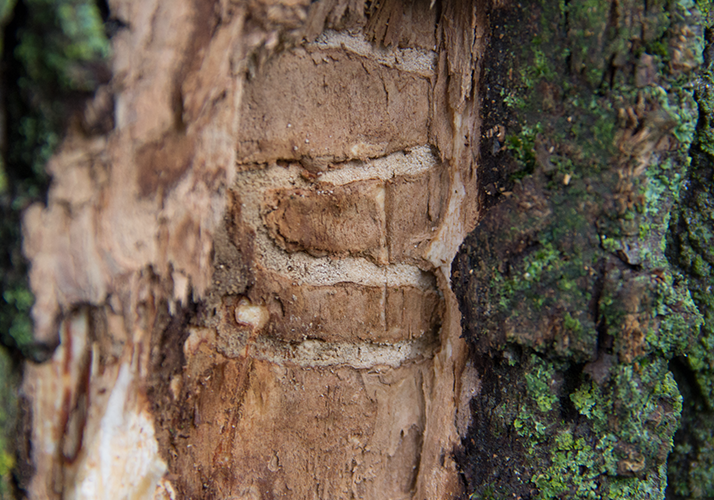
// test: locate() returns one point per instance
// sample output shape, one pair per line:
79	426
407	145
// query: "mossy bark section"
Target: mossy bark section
571	307
689	248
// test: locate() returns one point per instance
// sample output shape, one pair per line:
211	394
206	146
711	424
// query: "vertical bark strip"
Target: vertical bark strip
583	307
248	277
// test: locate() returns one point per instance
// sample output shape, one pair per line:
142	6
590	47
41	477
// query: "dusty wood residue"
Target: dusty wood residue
356	216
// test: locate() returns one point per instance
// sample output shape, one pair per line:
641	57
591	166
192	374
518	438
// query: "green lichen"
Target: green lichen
538	382
8	409
571	458
646	403
689	248
568	278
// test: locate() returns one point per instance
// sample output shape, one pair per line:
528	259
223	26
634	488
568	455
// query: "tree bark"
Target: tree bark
582	303
250	273
249	278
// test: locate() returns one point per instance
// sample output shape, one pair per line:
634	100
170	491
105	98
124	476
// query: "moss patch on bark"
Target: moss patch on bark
689	248
573	309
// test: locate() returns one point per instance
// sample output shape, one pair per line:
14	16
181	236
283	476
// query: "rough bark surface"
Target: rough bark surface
582	305
248	277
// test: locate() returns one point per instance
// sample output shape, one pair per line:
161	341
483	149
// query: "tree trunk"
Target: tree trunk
250	273
585	287
249	278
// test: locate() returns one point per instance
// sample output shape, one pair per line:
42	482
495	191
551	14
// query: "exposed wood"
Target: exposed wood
248	276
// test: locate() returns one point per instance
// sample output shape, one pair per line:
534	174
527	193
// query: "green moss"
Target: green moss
8	410
572	266
512	99
542	260
523	144
538	381
573	471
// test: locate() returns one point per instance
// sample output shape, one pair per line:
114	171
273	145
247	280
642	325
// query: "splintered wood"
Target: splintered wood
290	327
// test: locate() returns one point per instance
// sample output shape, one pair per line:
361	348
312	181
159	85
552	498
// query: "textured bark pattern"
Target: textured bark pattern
249	274
585	333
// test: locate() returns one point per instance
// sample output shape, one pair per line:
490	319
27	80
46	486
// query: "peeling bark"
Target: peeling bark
248	277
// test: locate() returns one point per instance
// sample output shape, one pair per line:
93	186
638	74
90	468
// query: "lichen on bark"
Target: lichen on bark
571	306
689	248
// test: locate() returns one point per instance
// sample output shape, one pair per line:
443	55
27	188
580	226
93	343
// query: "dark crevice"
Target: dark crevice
572	378
609	74
169	333
598	287
686	382
112	25
491	457
696	418
104	9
